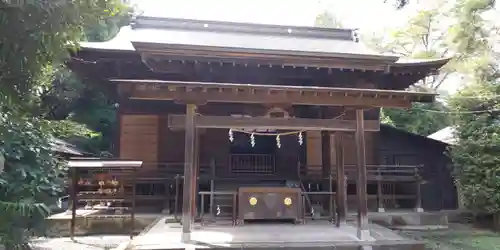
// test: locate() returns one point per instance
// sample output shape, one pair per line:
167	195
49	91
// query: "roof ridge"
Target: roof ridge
145	22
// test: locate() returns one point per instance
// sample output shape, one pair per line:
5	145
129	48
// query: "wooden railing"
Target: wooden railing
215	210
405	173
252	163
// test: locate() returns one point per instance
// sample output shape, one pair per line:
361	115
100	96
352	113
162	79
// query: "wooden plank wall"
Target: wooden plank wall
314	152
350	150
139	137
313	147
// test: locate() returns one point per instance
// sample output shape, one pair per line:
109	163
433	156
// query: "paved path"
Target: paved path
105	242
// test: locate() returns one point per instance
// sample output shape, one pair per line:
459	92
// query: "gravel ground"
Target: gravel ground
105	242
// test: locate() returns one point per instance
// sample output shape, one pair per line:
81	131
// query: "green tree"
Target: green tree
327	20
35	35
83	112
476	157
422	38
421	118
33	38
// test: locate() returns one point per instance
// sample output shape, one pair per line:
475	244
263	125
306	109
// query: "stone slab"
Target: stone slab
318	235
103	242
87	223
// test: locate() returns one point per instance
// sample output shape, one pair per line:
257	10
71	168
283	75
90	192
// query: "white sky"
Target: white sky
368	15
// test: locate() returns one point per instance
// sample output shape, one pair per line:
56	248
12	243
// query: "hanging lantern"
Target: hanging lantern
231	136
278	141
252	140
301	139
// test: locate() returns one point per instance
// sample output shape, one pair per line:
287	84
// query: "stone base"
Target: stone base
310	236
391	219
186	238
61	227
364	235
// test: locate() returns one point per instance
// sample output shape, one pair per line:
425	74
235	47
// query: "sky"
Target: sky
368	15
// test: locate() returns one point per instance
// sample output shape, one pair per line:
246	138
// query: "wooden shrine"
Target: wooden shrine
220	113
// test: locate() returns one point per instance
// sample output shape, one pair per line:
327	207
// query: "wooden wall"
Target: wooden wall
314	150
401	147
139	137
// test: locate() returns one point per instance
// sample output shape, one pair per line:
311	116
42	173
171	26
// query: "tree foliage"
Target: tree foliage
423	37
419	119
35	35
37	99
29	177
476	157
327	20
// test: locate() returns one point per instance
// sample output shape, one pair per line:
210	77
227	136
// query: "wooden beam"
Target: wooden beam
179	121
361	176
189	173
273	96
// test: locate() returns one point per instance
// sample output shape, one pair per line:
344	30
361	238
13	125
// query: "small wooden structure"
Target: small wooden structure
110	179
213	107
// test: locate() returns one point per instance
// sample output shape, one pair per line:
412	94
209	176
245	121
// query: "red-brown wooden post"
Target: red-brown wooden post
189	173
361	176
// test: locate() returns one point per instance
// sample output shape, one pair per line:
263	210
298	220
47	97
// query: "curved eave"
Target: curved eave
426	66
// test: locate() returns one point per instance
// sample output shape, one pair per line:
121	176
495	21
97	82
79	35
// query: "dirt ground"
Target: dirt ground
457	237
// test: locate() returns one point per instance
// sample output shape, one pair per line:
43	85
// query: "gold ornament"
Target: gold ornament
287	201
252	201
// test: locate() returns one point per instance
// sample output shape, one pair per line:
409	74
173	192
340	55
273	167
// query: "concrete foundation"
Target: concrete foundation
90	222
312	235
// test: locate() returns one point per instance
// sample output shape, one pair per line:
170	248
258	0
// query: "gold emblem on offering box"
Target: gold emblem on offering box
287	201
253	201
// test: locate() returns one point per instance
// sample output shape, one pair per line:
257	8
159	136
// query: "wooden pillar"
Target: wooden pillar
74	201
134	191
380	193
189	173
418	203
326	169
361	176
196	172
341	180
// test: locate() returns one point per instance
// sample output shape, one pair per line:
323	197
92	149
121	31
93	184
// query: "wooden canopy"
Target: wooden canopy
202	92
99	163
